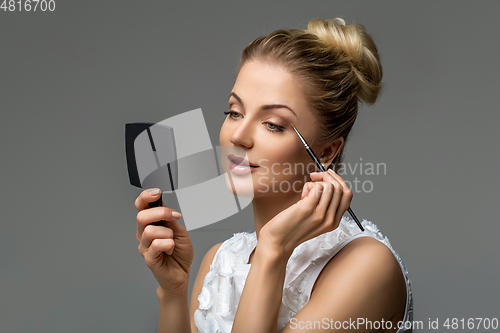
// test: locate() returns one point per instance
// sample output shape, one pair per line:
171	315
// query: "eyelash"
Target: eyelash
275	130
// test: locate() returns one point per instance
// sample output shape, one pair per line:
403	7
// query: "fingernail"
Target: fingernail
177	215
154	191
314	173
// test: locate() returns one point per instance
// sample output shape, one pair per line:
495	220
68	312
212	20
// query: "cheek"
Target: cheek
285	154
297	158
285	151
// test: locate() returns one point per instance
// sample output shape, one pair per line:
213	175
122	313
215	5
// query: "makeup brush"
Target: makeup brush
320	166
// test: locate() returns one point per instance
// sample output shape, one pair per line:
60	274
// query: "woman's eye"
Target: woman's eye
271	127
232	114
274	128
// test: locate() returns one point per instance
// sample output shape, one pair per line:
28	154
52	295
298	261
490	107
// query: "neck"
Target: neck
267	207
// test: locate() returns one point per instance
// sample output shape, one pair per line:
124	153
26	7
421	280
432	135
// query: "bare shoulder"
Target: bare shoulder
209	256
206	262
365	254
198	283
368	272
373	254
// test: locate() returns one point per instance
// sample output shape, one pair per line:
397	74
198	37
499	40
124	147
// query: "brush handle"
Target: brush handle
157	203
315	159
320	166
355	219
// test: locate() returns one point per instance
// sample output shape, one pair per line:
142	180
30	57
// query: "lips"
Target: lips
240	166
240	161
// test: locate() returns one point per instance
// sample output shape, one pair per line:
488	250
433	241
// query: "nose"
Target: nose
243	135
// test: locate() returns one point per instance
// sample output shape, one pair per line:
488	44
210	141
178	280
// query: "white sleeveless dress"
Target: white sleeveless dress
223	284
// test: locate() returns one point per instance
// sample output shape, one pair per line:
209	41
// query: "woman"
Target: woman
306	268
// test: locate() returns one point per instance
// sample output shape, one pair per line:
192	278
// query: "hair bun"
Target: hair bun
357	47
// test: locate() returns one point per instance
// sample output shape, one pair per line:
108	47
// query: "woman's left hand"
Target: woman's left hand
320	209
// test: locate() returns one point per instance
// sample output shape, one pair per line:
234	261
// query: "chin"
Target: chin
240	186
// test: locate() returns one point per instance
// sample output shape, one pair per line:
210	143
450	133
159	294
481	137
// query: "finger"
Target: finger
333	209
325	202
336	209
150	215
346	196
152	232
147	196
338	178
326	177
314	195
156	250
306	189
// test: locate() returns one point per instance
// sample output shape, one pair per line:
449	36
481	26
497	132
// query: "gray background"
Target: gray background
71	79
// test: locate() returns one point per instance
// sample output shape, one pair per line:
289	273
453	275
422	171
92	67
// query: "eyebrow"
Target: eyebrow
265	107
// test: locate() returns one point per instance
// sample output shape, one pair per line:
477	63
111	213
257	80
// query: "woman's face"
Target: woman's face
264	102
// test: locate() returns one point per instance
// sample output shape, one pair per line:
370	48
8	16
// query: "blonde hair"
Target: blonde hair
338	65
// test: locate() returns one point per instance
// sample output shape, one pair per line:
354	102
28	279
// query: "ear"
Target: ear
331	151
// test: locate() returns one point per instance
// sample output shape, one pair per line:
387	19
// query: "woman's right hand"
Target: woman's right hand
167	249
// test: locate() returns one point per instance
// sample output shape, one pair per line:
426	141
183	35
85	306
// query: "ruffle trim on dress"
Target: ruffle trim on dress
329	244
219	285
